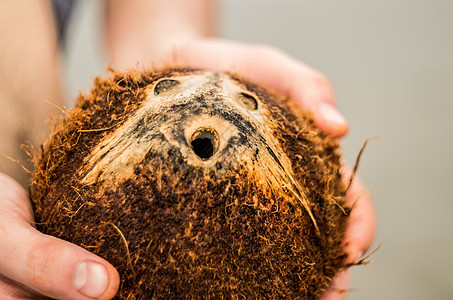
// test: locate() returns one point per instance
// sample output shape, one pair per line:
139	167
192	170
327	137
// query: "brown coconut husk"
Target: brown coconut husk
195	184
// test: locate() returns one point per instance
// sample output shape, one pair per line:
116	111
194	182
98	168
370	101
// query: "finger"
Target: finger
338	287
361	224
11	290
274	69
53	267
45	264
14	200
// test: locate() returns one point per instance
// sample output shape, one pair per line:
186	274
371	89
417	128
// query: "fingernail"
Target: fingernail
331	114
90	279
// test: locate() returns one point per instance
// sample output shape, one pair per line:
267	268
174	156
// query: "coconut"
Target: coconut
195	184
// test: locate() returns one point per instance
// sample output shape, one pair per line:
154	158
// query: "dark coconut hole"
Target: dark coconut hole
249	101
204	143
164	85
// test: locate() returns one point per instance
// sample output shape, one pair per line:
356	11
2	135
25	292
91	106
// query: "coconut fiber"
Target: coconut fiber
195	185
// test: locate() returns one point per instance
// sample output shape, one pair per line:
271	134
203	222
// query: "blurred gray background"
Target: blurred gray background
391	64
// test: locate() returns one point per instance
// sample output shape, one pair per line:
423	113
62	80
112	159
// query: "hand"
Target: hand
33	265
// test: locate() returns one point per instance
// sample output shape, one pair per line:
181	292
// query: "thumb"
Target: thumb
54	267
45	264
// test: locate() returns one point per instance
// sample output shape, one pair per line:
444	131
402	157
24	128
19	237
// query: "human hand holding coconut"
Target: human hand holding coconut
49	266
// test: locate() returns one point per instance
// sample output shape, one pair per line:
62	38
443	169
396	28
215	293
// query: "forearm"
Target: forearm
29	75
145	31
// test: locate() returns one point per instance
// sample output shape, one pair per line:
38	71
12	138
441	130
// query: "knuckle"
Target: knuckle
40	262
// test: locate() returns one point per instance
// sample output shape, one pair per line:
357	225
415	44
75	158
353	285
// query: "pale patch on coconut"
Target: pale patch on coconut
226	125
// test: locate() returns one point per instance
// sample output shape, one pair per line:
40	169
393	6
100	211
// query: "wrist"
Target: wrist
145	33
155	52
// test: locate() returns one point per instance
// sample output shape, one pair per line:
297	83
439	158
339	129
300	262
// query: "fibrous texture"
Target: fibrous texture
195	184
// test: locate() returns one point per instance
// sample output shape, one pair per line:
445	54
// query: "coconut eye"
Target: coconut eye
164	85
204	143
248	101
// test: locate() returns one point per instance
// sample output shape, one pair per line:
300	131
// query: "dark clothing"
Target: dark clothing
62	11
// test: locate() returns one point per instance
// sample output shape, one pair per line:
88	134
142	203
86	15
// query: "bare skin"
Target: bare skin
29	75
139	34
